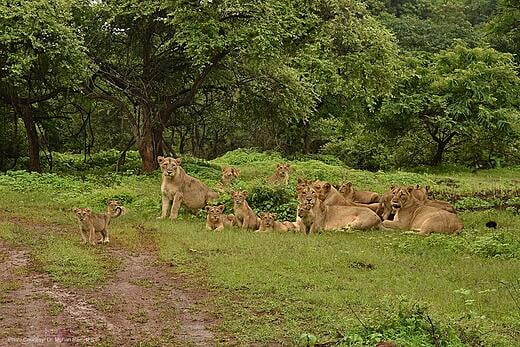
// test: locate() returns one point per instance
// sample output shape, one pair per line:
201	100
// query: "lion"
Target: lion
411	214
281	174
268	222
315	215
385	210
351	194
244	215
92	223
421	194
331	197
216	219
229	174
179	188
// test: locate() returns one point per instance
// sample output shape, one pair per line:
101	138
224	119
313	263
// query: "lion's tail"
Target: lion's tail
121	211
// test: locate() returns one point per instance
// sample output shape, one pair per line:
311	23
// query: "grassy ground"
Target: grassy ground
344	288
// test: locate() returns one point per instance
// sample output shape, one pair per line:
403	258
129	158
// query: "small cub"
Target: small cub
216	219
91	223
281	175
244	215
268	222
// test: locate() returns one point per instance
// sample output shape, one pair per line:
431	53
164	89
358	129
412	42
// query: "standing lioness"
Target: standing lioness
179	188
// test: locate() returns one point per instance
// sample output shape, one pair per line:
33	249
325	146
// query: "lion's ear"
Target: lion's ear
221	208
233	194
410	188
262	215
300	180
178	160
75	210
327	186
88	210
349	184
223	169
427	188
246	194
207	207
275	216
160	159
417	186
392	187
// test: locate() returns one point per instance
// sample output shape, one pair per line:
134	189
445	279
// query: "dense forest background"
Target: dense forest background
379	84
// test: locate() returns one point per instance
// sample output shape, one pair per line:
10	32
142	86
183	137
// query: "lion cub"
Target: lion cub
229	174
281	174
244	215
216	219
268	222
92	223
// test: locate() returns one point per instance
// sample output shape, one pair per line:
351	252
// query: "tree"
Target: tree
454	94
504	28
160	61
41	58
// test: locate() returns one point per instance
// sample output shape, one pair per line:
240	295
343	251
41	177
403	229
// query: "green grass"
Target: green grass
352	289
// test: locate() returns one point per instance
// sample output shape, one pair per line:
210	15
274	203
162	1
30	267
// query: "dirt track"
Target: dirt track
145	301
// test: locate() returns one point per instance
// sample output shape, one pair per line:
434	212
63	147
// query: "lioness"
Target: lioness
179	188
411	214
92	223
331	197
229	174
216	219
315	215
281	174
364	197
268	222
244	215
421	194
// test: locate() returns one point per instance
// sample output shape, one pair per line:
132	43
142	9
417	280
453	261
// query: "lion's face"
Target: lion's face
268	219
239	197
309	196
230	173
215	212
169	166
345	188
322	189
304	209
82	213
401	198
113	205
282	169
302	184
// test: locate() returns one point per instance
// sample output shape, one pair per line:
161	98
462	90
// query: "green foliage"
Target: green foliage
503	28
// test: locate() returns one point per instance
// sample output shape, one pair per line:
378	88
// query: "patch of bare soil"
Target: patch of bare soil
144	301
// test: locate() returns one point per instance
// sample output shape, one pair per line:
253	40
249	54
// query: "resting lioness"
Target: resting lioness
229	174
331	197
316	216
244	215
268	222
349	193
92	223
421	194
411	214
179	188
281	175
216	219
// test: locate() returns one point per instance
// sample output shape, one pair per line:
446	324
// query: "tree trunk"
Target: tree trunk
437	158
150	142
26	112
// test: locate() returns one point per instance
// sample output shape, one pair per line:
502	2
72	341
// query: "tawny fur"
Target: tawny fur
229	174
178	188
315	215
281	175
216	219
351	194
268	222
244	215
411	214
91	223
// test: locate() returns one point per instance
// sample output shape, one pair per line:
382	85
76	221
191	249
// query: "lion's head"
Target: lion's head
82	213
239	197
322	189
267	219
230	173
345	188
215	212
169	166
402	197
282	170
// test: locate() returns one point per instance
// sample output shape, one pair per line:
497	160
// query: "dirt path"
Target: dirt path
144	302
